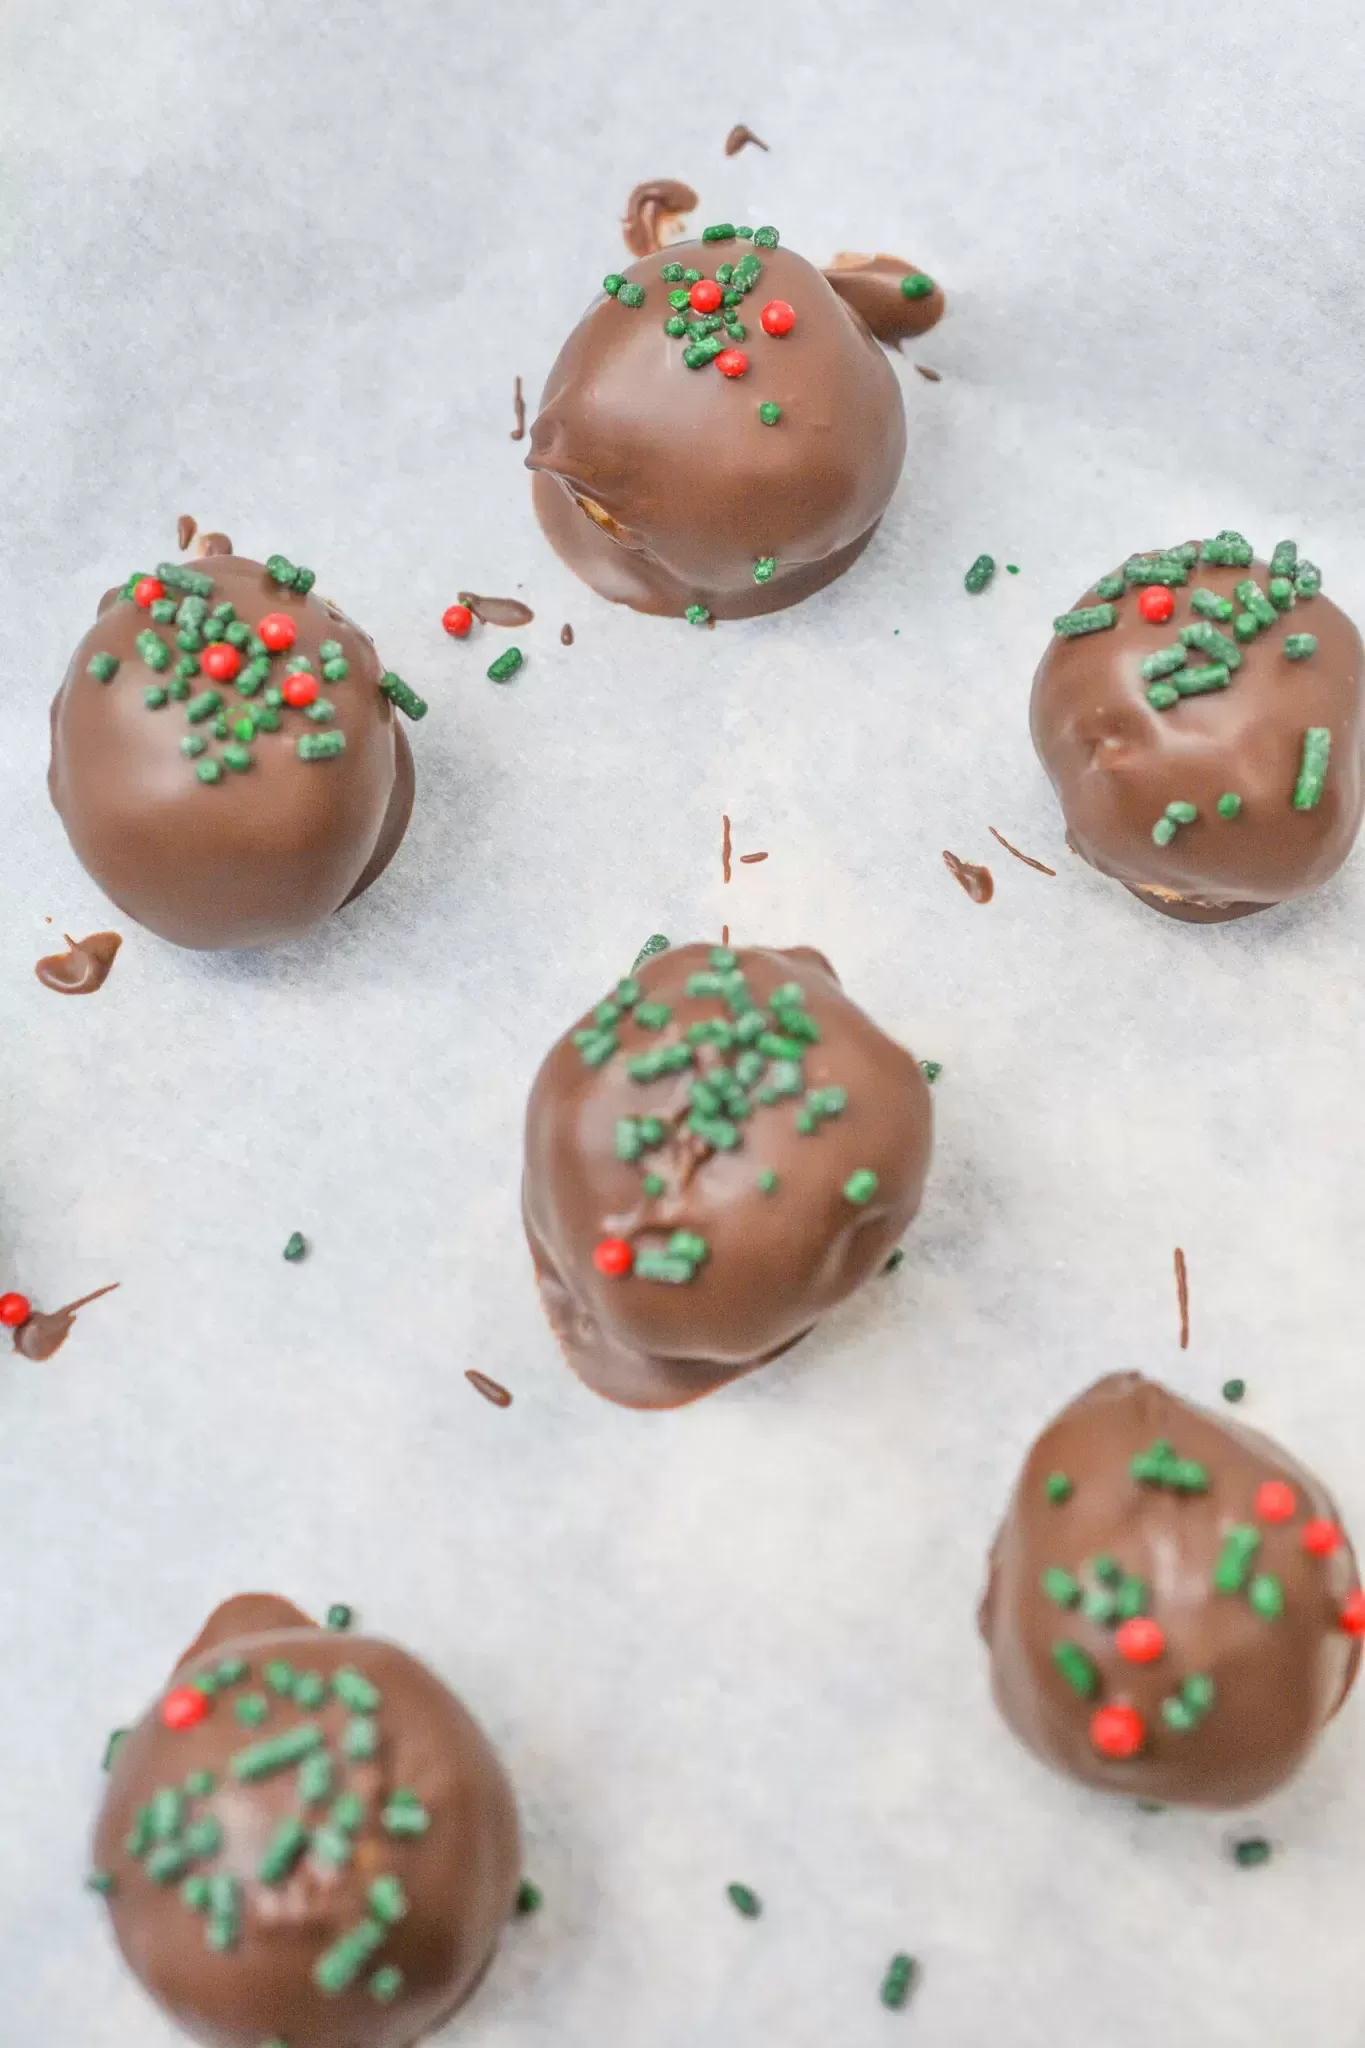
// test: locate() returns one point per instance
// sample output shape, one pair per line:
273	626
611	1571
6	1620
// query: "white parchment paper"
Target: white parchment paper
275	264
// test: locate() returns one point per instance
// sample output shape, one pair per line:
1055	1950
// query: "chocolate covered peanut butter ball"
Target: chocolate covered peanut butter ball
720	435
225	753
306	1842
1174	1610
1200	715
720	1151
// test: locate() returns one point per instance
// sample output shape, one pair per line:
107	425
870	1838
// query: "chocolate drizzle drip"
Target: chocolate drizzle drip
724	846
82	969
930	376
659	202
186	526
977	881
566	635
43	1335
1024	857
497	611
490	1389
738	136
519	408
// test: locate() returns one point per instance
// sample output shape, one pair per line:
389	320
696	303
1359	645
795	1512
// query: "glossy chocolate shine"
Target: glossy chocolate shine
460	1877
260	857
1116	762
661	487
1276	1681
777	1261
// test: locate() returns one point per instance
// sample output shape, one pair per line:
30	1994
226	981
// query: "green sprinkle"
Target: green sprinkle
1266	1596
1164	662
1101	1607
724	233
167	1863
361	1738
116	1738
916	285
153	697
251	1709
1250	595
701	353
153	649
1076	1668
199	1784
769	413
765	238
279	1676
310	1689
1142	570
315	1777
675	326
860	1187
696	614
280	570
203	706
237	757
163	611
405	1817
902	1970
1110	586
1210	641
671	273
530	1897
166	1813
656	1265
225	1912
1317	745
1284	560
744	1901
388	1899
1163	832
103	667
337	1969
283	1851
1132	1598
101	1881
263	1759
895	1258
176	576
1229	804
1308	579
347	1813
506	665
1094	618
1060	1587
631	295
386	1984
203	1837
354	1690
1239	1547
983	568
612	283
407	700
1281	592
1058	1487
332	1846
765	568
1194	682
1230	549
320	746
1298	646
1251	1851
194	1893
1161	696
1234	1390
931	1069
1211	605
653	1185
1246	626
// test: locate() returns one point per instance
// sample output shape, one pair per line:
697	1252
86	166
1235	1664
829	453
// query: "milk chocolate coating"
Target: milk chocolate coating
776	1261
685	487
459	1877
1116	762
872	286
259	857
1276	1682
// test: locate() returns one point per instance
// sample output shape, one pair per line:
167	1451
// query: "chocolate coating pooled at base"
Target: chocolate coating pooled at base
413	1840
275	843
667	1261
898	300
661	485
1105	1625
1119	755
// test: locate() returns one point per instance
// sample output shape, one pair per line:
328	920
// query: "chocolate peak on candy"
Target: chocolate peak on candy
1200	716
225	756
719	1152
306	1839
1173	1609
897	299
719	435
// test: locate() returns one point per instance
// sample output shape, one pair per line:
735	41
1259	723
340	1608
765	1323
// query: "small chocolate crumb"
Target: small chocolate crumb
1182	1295
930	376
566	635
1024	857
659	201
490	1389
214	544
978	882
84	968
746	859
724	847
519	408
725	935
186	528
738	136
497	611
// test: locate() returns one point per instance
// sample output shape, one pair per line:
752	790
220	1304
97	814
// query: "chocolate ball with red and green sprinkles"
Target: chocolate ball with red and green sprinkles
227	755
1174	1610
305	1840
721	1150
1200	715
720	434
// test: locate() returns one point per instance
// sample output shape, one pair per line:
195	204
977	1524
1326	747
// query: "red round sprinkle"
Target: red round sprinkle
1276	1501
614	1257
777	317
220	661
184	1707
14	1310
1140	1639
457	620
147	590
705	295
1352	1616
1117	1732
732	362
277	631
1319	1539
1156	603
299	689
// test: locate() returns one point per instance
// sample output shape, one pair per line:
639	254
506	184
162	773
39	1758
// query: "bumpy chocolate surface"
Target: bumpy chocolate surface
1137	728
897	299
274	842
1169	1611
717	1154
325	1859
661	485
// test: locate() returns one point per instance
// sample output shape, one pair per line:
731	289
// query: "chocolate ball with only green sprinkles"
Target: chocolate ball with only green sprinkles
723	1149
178	774
253	1912
663	491
1178	1619
1219	682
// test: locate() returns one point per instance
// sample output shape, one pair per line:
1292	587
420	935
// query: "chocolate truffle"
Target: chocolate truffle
225	755
306	1840
719	435
897	300
718	1153
1173	1610
1199	713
